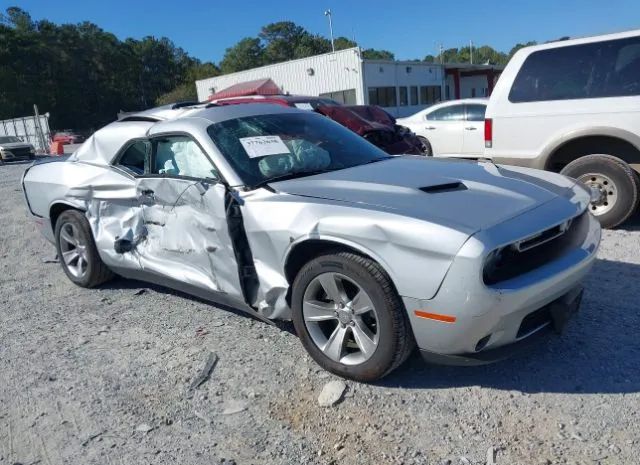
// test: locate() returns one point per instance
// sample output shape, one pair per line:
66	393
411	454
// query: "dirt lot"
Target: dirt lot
101	377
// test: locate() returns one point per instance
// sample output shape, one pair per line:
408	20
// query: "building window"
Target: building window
414	95
382	96
448	93
430	94
346	97
473	92
404	98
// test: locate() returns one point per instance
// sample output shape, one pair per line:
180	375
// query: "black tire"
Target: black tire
396	340
621	174
426	147
96	271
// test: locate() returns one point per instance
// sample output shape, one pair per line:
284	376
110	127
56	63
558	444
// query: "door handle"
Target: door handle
147	196
430	128
471	128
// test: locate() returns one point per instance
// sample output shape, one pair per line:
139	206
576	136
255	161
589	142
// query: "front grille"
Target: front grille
20	152
530	253
534	321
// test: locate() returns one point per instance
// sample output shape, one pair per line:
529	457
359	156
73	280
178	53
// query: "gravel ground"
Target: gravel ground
102	377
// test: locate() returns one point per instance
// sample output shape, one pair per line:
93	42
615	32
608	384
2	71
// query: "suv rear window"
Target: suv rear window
601	69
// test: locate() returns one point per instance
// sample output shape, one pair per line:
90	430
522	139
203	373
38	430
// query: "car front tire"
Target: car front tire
616	181
349	317
426	147
77	250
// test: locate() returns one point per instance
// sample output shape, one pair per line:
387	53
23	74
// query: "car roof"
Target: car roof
101	147
566	42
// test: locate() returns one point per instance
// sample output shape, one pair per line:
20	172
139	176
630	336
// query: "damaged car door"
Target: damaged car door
183	205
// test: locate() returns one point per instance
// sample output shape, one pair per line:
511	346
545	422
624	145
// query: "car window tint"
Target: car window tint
262	147
133	158
452	113
601	69
181	156
475	112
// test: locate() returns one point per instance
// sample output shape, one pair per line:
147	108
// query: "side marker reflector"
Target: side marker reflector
435	316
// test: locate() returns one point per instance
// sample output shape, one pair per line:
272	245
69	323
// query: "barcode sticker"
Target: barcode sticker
261	146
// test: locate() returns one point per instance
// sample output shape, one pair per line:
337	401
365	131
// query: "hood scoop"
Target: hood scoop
441	188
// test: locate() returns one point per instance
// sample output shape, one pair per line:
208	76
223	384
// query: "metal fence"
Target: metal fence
32	129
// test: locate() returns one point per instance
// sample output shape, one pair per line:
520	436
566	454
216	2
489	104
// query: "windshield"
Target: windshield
265	147
9	139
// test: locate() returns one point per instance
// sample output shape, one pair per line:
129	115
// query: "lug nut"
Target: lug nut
352	323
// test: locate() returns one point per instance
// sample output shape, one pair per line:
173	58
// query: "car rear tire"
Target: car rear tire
616	181
77	250
349	317
426	147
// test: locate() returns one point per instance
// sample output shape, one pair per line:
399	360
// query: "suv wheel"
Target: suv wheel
616	182
349	317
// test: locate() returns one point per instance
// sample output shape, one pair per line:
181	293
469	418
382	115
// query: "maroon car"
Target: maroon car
369	121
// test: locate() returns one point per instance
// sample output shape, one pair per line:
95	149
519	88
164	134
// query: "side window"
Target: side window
134	157
476	112
181	156
452	113
594	70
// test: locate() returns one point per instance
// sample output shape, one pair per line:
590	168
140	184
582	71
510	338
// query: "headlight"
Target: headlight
32	149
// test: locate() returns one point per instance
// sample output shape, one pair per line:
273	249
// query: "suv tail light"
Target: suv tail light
488	133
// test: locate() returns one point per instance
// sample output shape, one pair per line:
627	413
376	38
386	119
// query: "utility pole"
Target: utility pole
471	52
328	14
440	50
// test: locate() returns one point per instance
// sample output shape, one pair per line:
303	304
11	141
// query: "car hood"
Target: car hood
465	195
15	145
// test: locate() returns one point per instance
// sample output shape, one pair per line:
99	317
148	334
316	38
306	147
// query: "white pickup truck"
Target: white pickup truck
573	106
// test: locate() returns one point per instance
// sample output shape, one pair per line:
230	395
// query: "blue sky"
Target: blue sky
410	29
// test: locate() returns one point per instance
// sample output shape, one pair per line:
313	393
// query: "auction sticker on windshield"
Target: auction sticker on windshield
261	146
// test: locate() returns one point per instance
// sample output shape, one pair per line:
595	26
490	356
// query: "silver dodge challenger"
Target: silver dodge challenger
286	214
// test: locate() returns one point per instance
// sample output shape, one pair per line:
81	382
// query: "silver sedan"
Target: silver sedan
286	214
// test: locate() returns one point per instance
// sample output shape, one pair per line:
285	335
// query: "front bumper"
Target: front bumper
485	317
560	311
8	155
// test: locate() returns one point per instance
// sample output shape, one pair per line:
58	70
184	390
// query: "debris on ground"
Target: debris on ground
234	406
491	456
200	332
144	428
92	437
140	292
51	260
204	374
331	393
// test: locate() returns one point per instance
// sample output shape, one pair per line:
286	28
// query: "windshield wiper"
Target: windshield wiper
290	175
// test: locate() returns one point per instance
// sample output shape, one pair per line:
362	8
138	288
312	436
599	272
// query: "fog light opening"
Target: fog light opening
482	343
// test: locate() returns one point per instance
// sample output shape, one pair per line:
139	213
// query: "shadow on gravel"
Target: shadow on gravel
598	353
632	224
134	285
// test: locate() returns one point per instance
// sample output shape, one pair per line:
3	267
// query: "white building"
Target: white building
401	87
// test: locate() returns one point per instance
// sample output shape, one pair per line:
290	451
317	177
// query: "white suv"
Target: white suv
574	107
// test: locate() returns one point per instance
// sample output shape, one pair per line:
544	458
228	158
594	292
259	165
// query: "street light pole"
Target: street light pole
471	51
328	14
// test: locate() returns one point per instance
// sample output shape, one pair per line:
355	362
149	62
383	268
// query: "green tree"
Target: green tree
518	46
372	54
342	43
280	40
246	54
